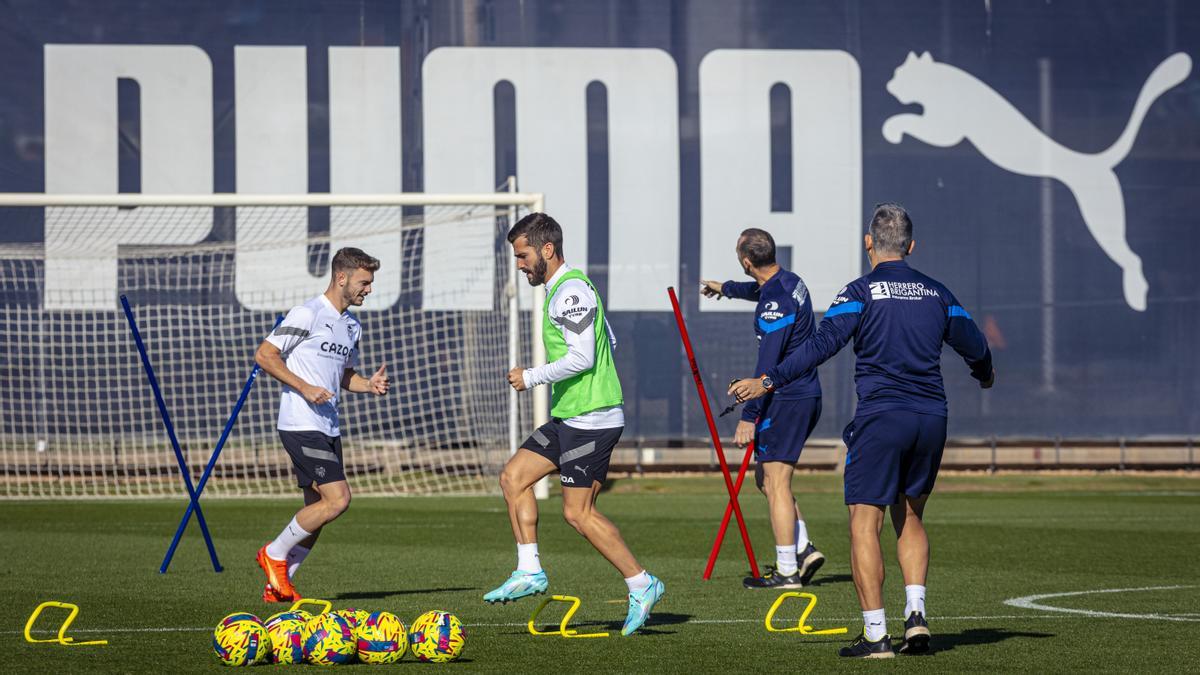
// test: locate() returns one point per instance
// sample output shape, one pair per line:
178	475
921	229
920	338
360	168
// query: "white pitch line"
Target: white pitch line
1030	602
781	622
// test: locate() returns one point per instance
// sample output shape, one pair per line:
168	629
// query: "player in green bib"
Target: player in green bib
587	421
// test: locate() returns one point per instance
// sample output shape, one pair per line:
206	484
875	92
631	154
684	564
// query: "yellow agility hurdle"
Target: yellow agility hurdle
325	604
802	626
62	638
562	626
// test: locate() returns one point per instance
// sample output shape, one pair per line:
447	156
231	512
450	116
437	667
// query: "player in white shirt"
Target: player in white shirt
314	353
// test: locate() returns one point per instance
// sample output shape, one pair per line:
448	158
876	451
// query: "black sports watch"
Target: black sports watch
767	383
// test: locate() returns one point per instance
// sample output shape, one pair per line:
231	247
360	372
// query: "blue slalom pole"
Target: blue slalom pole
212	460
166	417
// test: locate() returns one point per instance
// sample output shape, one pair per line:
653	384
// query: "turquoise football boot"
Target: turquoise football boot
517	586
640	604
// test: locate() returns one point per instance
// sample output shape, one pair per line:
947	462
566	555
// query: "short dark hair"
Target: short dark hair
539	229
757	245
891	229
349	259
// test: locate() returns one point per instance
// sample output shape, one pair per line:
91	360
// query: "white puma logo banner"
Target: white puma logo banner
958	106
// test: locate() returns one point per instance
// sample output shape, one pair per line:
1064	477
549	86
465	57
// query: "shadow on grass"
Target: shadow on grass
376	595
944	642
830	579
653	626
818	581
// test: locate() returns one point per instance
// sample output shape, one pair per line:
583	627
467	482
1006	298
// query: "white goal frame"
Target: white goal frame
535	202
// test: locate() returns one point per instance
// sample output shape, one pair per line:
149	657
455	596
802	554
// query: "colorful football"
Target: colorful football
241	640
381	638
437	636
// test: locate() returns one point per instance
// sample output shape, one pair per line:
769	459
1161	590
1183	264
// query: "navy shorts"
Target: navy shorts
581	455
316	458
783	427
891	453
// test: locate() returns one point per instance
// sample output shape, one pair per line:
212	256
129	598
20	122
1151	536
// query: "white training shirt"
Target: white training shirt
571	311
318	344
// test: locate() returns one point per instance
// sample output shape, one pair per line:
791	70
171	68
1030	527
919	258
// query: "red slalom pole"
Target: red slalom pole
716	439
737	488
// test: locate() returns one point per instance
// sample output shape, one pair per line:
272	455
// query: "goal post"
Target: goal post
207	276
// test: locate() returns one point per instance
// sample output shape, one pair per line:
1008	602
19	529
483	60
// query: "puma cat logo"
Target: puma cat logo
958	106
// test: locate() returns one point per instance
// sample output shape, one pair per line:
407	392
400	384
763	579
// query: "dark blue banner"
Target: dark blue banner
1049	154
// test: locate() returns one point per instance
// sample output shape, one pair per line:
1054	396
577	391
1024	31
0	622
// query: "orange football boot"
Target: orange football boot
272	595
277	578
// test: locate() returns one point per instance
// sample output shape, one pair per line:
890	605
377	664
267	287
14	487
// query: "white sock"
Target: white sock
638	582
915	599
292	534
528	559
295	557
785	559
801	535
874	625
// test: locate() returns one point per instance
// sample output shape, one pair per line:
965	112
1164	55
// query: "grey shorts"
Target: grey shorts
581	455
316	458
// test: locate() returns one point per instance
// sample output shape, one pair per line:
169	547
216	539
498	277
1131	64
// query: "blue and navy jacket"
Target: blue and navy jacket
899	319
782	322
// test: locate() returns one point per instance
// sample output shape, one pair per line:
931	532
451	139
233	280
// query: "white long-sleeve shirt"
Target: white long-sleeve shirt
573	313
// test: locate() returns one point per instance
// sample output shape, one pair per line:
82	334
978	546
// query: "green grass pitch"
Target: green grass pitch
994	538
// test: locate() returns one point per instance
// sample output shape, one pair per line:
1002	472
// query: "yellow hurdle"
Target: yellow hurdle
562	626
62	638
802	627
327	605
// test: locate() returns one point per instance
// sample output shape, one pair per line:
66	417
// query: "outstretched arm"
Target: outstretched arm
742	290
839	325
831	336
746	290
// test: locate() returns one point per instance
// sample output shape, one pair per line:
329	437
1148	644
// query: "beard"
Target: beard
537	275
351	299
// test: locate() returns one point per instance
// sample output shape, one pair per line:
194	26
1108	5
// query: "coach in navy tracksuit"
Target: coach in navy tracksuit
899	319
780	423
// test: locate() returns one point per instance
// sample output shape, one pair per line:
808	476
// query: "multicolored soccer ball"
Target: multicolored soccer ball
328	640
286	630
241	640
287	615
353	616
304	616
437	636
381	638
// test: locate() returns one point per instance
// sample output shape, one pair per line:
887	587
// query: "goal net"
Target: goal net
206	278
